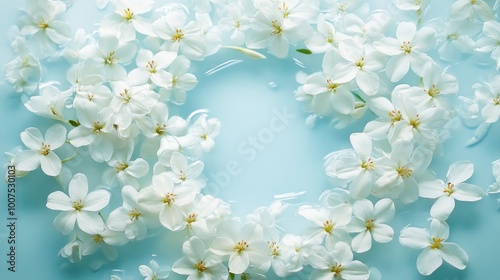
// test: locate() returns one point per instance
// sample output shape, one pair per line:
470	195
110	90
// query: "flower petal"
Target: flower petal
428	261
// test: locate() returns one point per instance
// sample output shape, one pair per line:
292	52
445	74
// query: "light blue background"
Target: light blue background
241	97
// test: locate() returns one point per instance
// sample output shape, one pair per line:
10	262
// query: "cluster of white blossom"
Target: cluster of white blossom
124	77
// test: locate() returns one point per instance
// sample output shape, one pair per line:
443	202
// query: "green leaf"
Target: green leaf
74	123
231	276
304	51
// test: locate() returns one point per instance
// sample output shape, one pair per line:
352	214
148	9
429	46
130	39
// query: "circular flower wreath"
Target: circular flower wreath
116	105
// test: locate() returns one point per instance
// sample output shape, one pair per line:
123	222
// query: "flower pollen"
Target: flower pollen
110	59
368	165
449	189
44	150
151	66
200	267
433	91
121	167
134	214
404	171
78	205
406	47
98	238
274	248
395	116
240	246
97	127
178	35
127	14
436	243
369	224
276	28
43	25
169	198
328	226
336	269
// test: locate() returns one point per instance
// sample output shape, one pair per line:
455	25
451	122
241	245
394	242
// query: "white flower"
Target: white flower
131	103
437	84
242	243
184	174
330	224
268	218
204	131
367	31
159	124
490	42
455	37
336	263
370	221
83	77
50	103
41	25
125	170
269	31
235	22
131	217
105	239
152	68
400	171
361	64
453	188
96	131
407	50
327	94
284	260
325	38
109	56
154	271
80	206
24	71
72	251
182	81
435	249
198	262
127	19
358	167
466	9
200	217
165	198
495	187
180	37
42	150
488	95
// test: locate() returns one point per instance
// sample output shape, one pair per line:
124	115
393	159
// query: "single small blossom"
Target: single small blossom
488	96
186	174
165	198
152	68
490	42
337	263
131	217
50	103
198	262
407	50
154	271
80	207
467	9
181	82
128	17
369	220
243	244
41	151
434	245
453	189
105	239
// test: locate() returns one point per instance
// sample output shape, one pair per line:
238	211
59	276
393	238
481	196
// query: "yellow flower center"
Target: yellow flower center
191	218
415	122
436	243
449	189
43	25
134	214
284	9
496	100
336	269
395	116
160	128
200	267
125	95
178	35
404	171
452	36
328	226
78	205
433	91
368	165
110	59
121	167
151	66
406	47
44	150
370	225
273	247
240	246
169	198
98	238
360	63
182	176
97	127
276	28
127	14
332	87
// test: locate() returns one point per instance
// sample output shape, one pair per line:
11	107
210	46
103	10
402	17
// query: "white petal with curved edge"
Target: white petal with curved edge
362	242
65	222
89	222
96	200
442	208
382	233
416	238
454	255
59	201
428	261
468	192
238	263
51	164
78	187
